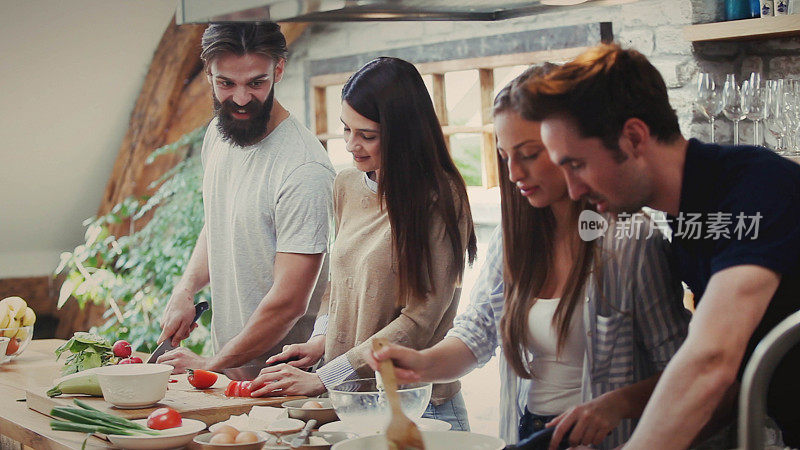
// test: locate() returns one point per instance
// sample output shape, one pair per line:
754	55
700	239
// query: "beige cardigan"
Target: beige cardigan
361	300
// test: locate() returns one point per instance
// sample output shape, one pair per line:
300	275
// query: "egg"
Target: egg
222	438
312	404
227	429
246	437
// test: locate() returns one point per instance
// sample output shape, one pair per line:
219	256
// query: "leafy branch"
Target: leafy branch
133	276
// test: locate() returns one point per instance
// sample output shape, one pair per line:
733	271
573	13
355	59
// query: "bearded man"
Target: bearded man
267	199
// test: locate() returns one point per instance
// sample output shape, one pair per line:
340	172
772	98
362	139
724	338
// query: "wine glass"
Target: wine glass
707	99
792	104
732	105
776	123
754	101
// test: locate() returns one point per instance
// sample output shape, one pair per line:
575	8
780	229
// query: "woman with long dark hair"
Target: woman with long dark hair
585	326
404	233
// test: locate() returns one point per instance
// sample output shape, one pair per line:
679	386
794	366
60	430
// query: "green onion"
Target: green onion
87	419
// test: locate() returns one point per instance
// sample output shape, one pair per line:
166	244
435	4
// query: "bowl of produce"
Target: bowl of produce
227	437
362	404
16	324
434	440
319	409
130	386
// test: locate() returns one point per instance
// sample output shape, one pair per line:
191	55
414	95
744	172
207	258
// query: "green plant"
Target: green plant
133	276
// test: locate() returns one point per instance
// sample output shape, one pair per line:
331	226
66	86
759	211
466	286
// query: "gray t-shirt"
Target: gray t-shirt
274	196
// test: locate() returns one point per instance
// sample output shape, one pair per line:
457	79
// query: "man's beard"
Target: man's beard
243	132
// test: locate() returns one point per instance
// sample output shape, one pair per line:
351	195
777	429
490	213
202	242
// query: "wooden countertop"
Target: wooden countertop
35	370
36	367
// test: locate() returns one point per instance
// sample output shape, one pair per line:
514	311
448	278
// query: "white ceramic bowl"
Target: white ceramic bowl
169	438
434	440
130	386
205	445
359	402
322	415
329	437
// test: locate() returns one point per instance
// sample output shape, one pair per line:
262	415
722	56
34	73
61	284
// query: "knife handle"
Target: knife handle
199	309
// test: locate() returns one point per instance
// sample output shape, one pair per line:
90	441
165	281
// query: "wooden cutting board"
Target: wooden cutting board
208	405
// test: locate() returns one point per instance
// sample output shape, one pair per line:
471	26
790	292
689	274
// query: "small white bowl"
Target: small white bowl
169	438
322	415
129	386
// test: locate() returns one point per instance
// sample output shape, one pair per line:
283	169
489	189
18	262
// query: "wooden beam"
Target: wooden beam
748	29
175	62
320	111
440	98
488	149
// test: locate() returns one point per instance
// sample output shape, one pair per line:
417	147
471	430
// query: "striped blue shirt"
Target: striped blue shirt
633	315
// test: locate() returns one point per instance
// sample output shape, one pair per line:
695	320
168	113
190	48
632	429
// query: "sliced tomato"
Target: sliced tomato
245	389
230	391
164	418
201	379
238	389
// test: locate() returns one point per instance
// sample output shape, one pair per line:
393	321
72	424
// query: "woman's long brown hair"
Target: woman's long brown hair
529	249
419	180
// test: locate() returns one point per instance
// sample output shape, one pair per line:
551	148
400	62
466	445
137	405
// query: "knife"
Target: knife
249	372
166	346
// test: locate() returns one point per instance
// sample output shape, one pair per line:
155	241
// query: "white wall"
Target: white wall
70	73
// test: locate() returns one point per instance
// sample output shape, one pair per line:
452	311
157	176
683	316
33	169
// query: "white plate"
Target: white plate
423	423
169	438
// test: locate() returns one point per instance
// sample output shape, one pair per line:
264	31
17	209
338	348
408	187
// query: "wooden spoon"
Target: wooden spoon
402	433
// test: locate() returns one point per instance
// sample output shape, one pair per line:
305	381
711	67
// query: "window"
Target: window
462	97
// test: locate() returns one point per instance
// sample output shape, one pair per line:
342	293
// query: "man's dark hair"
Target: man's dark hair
600	90
242	38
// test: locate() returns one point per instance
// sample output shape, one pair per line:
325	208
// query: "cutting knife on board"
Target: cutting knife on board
166	346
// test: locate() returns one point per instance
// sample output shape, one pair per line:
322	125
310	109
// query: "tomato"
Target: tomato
163	418
244	389
13	346
201	379
230	391
238	389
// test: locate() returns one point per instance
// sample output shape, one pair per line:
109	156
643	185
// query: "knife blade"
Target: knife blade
166	346
250	371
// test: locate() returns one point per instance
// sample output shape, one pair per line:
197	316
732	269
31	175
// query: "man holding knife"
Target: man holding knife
267	196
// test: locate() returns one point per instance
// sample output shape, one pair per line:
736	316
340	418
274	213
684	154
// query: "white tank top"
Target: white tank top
557	378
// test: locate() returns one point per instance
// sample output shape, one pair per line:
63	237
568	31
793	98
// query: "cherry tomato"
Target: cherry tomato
201	379
244	389
238	389
230	391
163	418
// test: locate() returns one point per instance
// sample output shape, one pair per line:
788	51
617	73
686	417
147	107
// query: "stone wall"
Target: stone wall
653	27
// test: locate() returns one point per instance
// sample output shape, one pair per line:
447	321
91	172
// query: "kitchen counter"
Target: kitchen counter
36	369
